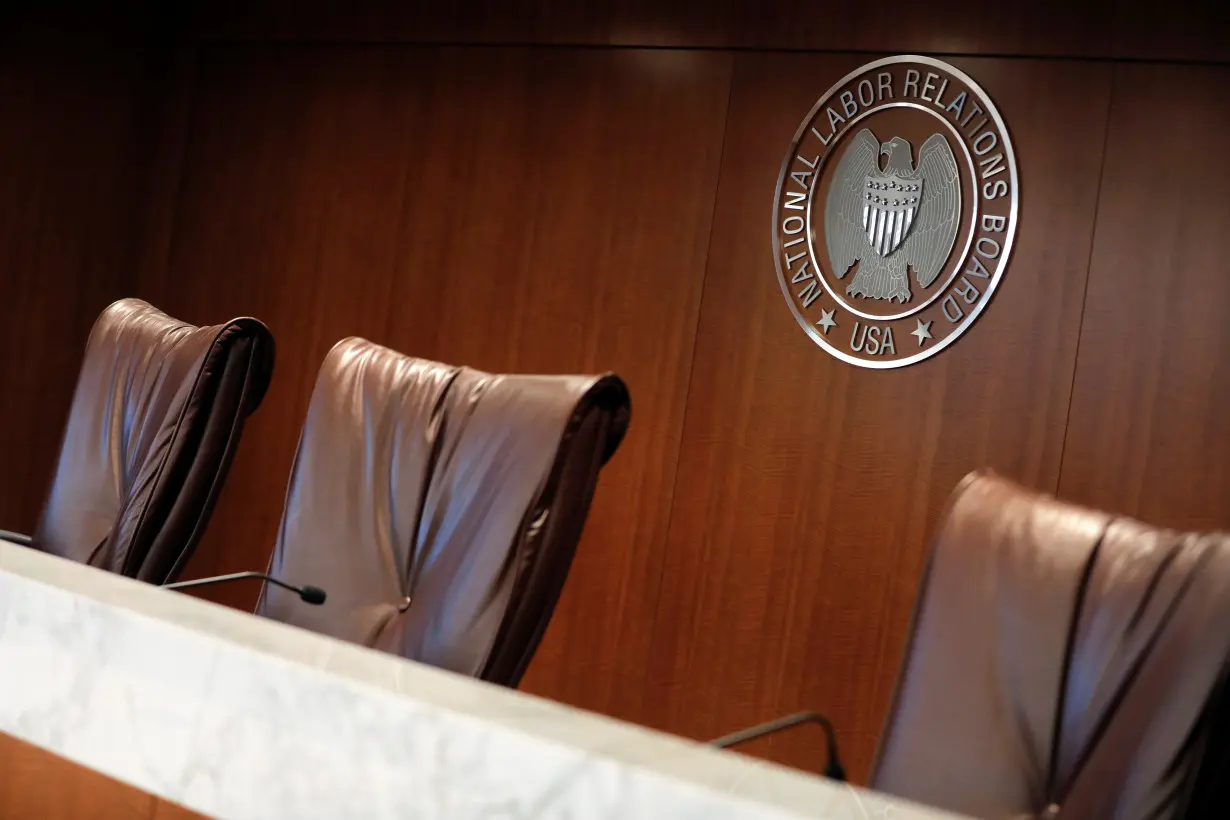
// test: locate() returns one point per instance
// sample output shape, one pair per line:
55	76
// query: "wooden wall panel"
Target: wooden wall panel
1182	30
69	159
807	488
572	238
166	810
755	546
287	207
35	783
1149	434
1051	27
504	208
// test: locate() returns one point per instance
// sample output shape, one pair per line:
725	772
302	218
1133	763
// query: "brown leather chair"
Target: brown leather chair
440	507
155	420
1063	663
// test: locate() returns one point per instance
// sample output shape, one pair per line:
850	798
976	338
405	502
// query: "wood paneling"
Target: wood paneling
287	194
1149	433
574	240
754	547
514	210
1051	27
1187	30
38	784
69	158
807	488
166	810
1184	30
1136	29
35	783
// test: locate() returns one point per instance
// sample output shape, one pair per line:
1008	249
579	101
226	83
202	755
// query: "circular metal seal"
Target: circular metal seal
895	212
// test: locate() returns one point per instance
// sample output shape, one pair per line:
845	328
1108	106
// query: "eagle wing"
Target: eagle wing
935	228
844	230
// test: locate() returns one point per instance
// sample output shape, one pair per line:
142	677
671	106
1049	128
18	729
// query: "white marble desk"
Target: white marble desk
238	717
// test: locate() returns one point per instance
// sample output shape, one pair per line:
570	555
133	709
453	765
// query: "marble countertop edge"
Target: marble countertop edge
746	780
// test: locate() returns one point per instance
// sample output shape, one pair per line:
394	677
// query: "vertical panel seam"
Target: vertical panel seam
1093	243
687	388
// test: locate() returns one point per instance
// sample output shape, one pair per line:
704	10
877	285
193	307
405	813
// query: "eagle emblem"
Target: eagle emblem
888	220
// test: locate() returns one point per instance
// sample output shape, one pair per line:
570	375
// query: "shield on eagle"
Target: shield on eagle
888	213
890	219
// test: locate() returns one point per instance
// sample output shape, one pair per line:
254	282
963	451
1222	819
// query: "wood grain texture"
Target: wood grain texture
754	547
69	158
35	783
287	195
1050	27
511	210
807	488
1149	434
1186	30
166	810
574	240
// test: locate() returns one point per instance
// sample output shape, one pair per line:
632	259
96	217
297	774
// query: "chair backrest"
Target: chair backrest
155	420
440	507
1063	663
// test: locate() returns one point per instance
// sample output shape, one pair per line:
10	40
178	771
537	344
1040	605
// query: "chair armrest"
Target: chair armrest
16	538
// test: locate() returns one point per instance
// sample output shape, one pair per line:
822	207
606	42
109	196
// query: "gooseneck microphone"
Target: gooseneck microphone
832	769
307	592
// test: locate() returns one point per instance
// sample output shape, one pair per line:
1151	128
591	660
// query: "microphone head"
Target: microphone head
312	595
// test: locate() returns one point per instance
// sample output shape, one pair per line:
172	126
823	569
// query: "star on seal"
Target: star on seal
827	322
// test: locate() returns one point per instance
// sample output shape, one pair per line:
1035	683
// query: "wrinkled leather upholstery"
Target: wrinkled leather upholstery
1063	663
155	420
440	507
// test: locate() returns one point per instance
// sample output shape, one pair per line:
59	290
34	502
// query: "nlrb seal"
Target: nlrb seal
895	212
